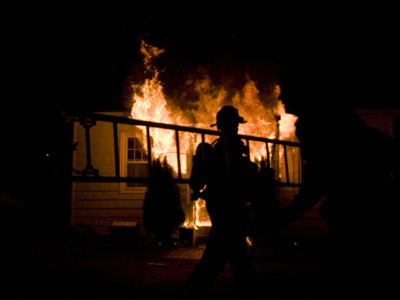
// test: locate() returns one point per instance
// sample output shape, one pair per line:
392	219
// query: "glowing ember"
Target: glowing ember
150	104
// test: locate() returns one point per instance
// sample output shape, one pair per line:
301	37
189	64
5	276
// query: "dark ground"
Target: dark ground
100	269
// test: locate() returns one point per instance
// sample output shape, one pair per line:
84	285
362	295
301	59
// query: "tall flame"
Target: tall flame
150	104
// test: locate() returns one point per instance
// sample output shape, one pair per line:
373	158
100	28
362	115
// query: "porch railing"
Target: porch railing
91	174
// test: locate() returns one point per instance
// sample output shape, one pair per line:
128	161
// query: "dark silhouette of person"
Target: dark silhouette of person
221	175
353	169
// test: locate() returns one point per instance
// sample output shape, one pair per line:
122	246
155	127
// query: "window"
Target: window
133	160
137	161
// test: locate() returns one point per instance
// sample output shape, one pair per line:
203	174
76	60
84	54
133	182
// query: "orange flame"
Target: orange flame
200	216
150	104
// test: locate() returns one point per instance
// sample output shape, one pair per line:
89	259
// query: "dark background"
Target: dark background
71	59
81	58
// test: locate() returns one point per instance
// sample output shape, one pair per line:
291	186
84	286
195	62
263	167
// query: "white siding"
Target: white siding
95	204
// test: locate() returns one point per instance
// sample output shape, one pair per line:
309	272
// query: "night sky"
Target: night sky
81	59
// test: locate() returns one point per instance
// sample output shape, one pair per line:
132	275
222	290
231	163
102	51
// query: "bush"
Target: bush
162	211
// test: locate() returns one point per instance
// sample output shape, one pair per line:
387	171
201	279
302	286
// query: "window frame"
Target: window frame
123	186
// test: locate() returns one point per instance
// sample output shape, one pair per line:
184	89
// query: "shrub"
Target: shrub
162	211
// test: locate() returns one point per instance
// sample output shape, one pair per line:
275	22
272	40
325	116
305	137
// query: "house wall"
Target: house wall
95	206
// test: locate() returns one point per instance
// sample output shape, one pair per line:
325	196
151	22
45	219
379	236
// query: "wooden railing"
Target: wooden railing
91	174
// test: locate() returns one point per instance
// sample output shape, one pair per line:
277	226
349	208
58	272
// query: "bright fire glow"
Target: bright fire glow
200	216
150	104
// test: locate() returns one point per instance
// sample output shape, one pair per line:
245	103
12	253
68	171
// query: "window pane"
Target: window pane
131	143
137	170
138	154
144	155
138	144
130	154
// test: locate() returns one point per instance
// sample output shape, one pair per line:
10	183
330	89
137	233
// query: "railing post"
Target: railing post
301	166
116	150
88	170
148	146
248	148
268	160
286	164
178	154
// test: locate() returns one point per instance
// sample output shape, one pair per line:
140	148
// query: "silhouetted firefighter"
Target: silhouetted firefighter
222	174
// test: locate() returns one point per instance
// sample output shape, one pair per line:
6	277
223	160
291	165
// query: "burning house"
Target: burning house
115	149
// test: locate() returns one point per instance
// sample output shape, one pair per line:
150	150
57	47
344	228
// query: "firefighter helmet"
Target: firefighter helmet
228	115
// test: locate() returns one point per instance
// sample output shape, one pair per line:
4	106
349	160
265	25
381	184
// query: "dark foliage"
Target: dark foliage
162	211
265	202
